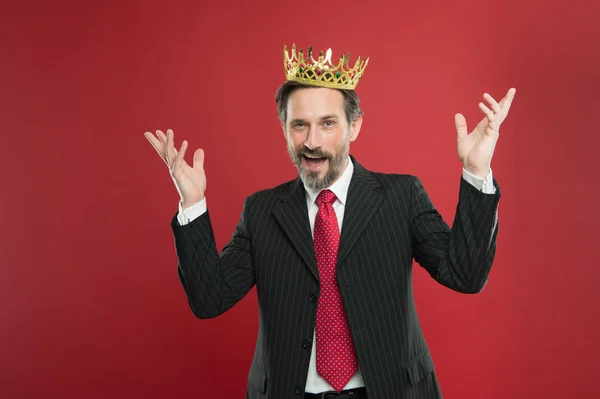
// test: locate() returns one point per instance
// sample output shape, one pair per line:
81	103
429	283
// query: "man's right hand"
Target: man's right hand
189	181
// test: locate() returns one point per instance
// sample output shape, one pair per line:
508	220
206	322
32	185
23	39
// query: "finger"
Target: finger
174	151
158	146
493	103
179	159
461	126
169	153
153	140
164	138
161	136
177	152
199	159
492	130
488	113
507	100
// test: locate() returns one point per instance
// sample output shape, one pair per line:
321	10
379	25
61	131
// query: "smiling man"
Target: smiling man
318	133
331	252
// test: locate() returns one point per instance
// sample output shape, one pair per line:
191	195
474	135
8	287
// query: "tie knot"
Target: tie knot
325	196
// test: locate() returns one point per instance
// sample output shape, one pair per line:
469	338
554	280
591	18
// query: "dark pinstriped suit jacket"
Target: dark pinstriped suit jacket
388	221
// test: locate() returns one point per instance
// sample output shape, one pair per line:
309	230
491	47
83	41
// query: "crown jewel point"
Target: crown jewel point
321	72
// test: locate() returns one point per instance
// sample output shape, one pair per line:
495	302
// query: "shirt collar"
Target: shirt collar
339	188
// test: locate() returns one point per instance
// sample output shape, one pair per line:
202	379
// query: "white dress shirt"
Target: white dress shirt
314	382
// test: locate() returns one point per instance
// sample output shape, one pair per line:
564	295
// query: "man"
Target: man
337	314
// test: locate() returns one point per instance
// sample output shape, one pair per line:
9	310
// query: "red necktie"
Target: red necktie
336	360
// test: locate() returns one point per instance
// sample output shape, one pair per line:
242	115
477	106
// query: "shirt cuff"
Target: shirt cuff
486	185
188	215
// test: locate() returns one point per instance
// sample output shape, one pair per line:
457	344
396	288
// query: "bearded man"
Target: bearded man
331	252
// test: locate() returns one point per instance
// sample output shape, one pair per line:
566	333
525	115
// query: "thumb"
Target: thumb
461	126
199	159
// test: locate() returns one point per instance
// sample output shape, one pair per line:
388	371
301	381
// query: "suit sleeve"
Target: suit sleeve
213	282
459	257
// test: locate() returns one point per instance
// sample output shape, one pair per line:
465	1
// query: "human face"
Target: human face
318	135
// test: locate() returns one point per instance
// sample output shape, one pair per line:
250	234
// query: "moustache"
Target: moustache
313	153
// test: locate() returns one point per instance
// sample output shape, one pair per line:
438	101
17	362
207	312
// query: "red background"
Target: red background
90	303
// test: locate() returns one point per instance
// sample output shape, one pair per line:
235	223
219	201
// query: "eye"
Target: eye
329	123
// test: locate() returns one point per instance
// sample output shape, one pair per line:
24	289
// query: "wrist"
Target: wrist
187	204
479	172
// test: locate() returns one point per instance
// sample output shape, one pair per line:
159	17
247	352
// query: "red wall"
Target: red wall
90	303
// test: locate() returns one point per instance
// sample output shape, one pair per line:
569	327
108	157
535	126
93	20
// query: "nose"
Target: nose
313	141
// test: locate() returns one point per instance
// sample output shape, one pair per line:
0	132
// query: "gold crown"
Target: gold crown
322	72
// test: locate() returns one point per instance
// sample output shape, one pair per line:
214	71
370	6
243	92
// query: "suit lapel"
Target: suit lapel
362	202
364	198
292	215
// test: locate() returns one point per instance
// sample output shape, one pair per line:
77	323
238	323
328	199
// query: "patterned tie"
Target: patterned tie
336	360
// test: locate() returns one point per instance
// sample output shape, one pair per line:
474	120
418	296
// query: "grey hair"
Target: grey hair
351	101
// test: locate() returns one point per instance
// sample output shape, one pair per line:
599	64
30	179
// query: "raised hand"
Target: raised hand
190	181
475	150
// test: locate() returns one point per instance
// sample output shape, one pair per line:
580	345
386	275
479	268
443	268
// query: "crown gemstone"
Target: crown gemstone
322	72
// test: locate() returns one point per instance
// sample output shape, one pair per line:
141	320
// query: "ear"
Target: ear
355	127
283	129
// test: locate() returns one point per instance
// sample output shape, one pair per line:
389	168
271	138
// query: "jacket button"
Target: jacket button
307	343
312	298
298	390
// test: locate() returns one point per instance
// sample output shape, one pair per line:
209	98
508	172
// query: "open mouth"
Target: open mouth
313	163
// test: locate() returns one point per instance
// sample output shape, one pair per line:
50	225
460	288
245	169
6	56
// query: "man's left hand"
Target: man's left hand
475	150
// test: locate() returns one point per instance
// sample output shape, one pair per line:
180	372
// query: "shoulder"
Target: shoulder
269	196
396	181
386	181
399	189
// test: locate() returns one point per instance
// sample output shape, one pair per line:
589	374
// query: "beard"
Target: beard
335	161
